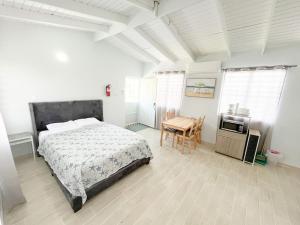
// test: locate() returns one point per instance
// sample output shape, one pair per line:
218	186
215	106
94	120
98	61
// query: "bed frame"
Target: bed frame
43	113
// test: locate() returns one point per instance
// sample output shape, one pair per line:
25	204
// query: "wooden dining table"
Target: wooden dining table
179	123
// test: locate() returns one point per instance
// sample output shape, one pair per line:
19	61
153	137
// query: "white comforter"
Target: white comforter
87	155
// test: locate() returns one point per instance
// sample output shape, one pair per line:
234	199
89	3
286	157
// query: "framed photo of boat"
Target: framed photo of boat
200	87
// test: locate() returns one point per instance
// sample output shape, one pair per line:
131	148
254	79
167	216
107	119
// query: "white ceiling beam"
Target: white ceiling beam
33	17
268	27
136	48
156	45
223	25
171	29
140	5
165	7
85	11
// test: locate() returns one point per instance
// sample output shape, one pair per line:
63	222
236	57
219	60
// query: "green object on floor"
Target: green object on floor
261	159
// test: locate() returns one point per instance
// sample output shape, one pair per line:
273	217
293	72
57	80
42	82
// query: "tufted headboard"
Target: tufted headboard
43	113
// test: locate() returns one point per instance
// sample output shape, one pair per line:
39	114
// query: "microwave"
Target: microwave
235	123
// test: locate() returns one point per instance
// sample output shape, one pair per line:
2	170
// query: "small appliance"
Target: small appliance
235	123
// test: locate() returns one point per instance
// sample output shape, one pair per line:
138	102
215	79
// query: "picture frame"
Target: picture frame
200	87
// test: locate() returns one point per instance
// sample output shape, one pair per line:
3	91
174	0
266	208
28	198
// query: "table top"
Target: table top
179	123
19	136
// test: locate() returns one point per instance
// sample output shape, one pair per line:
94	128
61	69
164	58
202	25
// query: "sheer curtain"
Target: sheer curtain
169	94
257	90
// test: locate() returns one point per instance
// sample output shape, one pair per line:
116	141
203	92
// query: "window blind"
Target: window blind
257	90
169	90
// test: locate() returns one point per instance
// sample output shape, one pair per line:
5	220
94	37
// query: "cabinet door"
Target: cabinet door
222	144
236	148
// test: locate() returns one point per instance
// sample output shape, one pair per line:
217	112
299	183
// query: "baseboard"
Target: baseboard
23	157
288	166
211	146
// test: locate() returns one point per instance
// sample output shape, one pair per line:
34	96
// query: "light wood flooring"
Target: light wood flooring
199	188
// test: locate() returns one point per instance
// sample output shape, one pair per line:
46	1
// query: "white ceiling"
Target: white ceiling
181	31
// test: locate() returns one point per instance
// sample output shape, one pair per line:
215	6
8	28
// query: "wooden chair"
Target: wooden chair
190	136
169	115
170	131
198	131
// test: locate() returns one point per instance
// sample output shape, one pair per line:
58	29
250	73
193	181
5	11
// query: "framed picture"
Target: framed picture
200	87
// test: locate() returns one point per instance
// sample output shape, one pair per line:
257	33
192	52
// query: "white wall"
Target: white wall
131	112
286	132
208	107
29	71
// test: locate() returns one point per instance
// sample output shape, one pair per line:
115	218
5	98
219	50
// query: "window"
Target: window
132	85
169	91
168	95
257	90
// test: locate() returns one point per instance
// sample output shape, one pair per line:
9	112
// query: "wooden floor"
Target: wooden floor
199	188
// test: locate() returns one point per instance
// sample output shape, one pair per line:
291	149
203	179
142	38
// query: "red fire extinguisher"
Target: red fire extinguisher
107	90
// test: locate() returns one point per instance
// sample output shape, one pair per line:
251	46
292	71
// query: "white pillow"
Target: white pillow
87	121
70	125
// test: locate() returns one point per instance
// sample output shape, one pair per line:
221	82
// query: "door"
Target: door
146	112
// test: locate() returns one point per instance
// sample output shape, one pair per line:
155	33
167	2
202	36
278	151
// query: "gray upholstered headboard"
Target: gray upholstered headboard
43	113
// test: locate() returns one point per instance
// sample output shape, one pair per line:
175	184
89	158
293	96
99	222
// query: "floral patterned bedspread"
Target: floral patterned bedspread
87	155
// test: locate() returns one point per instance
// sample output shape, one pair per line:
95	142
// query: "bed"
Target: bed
87	159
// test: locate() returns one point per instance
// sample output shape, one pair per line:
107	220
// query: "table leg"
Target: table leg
161	134
33	148
183	140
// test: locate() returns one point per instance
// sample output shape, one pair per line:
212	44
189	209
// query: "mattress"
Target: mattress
84	156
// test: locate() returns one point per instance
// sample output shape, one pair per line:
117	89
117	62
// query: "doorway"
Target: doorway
158	95
147	101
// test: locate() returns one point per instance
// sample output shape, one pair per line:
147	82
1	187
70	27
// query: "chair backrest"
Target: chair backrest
193	129
201	122
170	115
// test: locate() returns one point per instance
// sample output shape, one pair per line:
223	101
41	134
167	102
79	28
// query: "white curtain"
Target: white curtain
169	94
257	90
10	189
